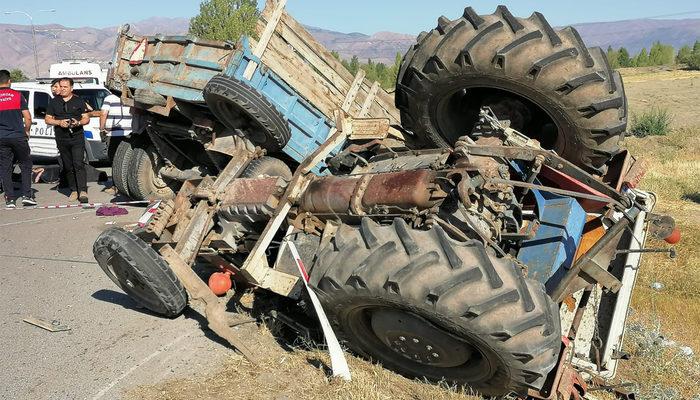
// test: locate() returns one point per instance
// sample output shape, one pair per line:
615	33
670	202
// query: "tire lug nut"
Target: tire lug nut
416	340
401	338
436	355
428	348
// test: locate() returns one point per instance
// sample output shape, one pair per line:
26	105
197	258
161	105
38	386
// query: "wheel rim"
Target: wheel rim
417	345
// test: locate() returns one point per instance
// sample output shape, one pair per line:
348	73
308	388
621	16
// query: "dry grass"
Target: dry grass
299	374
674	312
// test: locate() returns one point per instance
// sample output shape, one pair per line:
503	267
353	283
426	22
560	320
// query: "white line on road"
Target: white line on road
45	218
138	365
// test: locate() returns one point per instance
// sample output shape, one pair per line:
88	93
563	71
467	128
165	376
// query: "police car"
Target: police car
41	137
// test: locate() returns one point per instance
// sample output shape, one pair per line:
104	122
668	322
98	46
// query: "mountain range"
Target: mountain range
58	42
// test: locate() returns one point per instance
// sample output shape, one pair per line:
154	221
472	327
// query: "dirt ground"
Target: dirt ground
672	313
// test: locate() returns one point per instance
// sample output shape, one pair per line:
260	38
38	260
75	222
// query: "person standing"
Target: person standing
15	123
68	114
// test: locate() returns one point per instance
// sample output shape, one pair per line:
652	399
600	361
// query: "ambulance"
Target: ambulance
85	71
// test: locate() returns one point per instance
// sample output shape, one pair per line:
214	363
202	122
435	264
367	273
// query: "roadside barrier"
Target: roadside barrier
83	206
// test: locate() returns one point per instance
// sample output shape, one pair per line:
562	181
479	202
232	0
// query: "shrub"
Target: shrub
654	122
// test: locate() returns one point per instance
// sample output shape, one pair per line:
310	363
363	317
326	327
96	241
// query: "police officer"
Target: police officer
68	114
15	122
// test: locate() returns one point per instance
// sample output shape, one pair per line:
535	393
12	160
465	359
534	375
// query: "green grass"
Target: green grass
654	122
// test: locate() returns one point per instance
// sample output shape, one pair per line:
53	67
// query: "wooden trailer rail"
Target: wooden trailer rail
290	51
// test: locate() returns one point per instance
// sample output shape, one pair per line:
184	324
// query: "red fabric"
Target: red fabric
10	100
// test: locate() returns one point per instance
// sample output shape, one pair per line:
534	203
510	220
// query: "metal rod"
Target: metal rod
563	192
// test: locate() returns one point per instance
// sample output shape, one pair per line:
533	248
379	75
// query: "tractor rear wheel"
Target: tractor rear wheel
545	81
427	306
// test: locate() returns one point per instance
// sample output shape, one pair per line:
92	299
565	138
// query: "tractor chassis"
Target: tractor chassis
191	215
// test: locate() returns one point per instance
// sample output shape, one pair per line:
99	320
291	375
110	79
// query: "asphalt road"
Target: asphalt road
47	271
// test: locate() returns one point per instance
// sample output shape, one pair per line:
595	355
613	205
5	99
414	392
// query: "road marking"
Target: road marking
138	365
45	218
48	259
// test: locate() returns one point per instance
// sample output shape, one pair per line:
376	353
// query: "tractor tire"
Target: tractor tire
427	306
238	106
144	180
267	167
545	81
140	272
120	167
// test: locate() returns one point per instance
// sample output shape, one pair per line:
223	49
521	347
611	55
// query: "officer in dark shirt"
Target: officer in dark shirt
15	122
68	114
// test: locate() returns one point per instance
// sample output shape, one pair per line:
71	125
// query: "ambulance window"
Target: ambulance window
25	94
41	101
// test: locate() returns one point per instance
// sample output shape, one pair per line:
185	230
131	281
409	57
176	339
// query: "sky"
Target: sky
364	16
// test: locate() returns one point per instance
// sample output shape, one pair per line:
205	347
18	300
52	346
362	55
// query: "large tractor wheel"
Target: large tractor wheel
430	307
238	106
144	179
120	166
545	81
140	272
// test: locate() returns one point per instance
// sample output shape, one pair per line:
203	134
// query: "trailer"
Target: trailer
191	95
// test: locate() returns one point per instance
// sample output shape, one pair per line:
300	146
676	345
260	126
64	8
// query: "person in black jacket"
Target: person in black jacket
68	114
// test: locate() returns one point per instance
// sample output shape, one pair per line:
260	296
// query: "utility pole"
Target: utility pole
31	20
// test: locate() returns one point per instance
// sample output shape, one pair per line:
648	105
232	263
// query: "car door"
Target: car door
41	136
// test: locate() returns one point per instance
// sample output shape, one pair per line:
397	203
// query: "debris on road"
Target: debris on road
53	326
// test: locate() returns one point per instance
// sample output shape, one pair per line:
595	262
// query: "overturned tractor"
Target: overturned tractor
473	262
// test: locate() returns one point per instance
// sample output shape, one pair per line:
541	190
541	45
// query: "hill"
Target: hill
54	42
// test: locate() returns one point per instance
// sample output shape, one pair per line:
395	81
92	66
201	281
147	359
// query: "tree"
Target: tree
17	75
613	58
225	20
684	55
694	59
623	58
354	65
661	54
642	59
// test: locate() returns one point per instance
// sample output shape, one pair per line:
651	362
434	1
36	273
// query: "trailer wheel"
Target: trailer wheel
120	166
140	272
238	106
144	180
545	81
267	166
427	306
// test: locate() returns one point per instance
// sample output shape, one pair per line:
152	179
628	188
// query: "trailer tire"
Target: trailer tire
238	106
267	167
427	306
140	272
144	181
120	167
545	81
